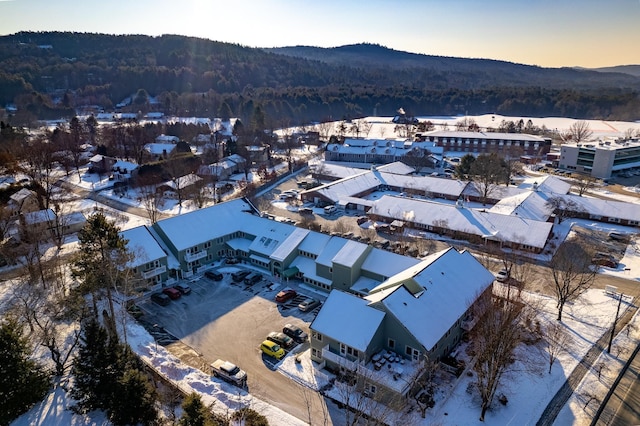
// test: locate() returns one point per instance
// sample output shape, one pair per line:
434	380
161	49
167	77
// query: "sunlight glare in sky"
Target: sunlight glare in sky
556	33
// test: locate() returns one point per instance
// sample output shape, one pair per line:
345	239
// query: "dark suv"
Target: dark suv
239	276
214	275
295	333
161	299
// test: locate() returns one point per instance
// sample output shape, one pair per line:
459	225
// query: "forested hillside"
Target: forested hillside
48	75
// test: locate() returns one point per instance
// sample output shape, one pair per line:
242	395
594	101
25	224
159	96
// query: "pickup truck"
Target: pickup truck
229	372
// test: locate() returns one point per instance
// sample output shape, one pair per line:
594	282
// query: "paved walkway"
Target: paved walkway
564	393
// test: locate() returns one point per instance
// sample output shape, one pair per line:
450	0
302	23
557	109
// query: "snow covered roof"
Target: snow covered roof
528	205
482	223
160	148
484	135
142	245
342	309
350	253
314	243
21	195
199	226
167	139
366	181
40	216
290	244
125	165
308	267
606	208
385	263
497	192
547	184
183	181
332	247
449	282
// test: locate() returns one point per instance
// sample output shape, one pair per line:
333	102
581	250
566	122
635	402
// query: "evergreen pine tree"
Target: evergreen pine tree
134	400
94	369
23	382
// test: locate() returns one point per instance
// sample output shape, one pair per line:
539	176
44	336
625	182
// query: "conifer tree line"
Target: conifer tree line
98	369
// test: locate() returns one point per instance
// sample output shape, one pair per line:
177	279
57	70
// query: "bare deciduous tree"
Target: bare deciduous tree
580	131
495	337
325	129
583	183
556	341
487	171
571	272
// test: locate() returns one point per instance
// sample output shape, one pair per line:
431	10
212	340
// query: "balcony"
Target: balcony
153	272
397	376
192	257
338	359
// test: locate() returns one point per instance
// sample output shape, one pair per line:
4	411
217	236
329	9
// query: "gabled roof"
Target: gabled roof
368	180
547	184
22	195
290	244
40	216
142	245
350	253
430	297
483	223
528	205
348	319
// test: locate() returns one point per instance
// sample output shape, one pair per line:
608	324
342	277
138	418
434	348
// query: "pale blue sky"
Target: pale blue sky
554	33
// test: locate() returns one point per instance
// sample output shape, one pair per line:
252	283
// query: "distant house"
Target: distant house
23	201
224	168
101	164
160	150
123	171
171	187
164	139
420	312
381	151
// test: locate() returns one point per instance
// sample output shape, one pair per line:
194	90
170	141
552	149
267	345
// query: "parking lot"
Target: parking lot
222	319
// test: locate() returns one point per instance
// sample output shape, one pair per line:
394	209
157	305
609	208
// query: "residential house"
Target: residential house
420	312
23	201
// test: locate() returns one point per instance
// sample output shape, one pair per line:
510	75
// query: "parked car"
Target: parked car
183	288
605	261
229	372
214	274
252	278
305	210
502	275
239	275
295	333
272	349
161	299
330	209
618	236
172	293
308	304
282	339
285	295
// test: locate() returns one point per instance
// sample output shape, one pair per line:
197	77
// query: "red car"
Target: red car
172	293
285	295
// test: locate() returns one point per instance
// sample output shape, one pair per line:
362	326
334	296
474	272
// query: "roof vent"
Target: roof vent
535	186
459	203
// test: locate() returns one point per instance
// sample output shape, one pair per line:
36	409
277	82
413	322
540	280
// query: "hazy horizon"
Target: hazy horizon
547	33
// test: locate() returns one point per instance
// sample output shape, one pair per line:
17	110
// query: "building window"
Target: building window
317	336
391	343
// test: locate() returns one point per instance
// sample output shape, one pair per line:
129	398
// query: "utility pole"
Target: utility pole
615	322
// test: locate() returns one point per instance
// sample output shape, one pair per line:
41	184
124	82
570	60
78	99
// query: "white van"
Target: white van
329	209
